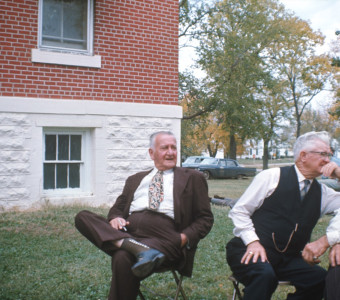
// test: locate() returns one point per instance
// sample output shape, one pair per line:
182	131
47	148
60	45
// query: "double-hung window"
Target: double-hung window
63	163
66	25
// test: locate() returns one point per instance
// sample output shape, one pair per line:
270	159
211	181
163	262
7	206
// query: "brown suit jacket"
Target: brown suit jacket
192	212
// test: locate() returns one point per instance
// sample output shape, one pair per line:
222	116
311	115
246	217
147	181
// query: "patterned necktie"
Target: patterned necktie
305	188
156	191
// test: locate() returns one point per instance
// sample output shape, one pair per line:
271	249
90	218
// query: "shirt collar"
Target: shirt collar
155	170
300	175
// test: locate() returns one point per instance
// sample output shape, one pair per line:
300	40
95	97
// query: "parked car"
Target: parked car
192	162
224	168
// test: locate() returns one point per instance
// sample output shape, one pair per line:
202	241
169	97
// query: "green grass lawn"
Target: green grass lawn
42	256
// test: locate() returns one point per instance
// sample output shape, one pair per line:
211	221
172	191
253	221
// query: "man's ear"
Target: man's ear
303	155
151	153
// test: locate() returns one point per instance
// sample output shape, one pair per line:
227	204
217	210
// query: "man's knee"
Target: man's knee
80	217
264	271
260	272
260	282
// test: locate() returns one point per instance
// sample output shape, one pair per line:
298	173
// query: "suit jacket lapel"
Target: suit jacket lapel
180	181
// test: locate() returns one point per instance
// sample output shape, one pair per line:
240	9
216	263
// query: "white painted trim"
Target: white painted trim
68	59
62	122
88	107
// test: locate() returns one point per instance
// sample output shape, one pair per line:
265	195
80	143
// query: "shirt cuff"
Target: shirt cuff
249	237
333	237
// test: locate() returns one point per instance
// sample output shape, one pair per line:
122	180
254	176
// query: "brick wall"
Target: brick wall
137	41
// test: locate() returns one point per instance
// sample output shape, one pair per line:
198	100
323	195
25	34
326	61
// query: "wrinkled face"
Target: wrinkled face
313	161
164	153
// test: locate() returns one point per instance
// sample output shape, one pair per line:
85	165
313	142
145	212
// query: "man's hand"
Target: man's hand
334	255
184	240
331	170
254	251
119	223
314	250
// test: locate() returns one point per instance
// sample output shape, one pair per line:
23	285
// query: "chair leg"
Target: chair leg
236	292
179	286
141	296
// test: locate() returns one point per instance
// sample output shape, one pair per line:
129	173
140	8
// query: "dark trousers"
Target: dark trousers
150	228
333	284
261	279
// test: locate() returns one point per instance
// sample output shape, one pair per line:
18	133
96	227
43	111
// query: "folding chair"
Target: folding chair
183	269
237	292
178	279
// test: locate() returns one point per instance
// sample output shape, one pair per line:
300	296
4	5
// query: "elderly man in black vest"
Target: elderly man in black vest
274	220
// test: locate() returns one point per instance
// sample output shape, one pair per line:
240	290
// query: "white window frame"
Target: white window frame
85	162
67	57
90	17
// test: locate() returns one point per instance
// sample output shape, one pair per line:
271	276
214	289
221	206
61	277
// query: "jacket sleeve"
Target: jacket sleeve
122	205
201	220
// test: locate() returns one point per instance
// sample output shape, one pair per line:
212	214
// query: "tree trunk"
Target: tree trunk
210	151
298	126
232	147
265	154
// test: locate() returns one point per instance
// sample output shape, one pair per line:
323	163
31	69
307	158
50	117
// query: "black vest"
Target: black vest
284	219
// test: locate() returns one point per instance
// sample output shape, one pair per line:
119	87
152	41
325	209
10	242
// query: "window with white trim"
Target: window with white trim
66	25
64	165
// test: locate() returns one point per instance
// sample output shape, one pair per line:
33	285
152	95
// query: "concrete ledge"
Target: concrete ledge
68	59
88	107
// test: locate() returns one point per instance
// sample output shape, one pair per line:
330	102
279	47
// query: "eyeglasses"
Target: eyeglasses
323	154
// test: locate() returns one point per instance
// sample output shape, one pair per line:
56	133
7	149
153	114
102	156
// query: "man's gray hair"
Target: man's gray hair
307	141
153	137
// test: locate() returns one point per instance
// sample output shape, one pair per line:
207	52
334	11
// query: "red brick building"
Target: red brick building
83	83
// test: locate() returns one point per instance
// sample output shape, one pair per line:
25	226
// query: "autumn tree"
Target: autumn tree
237	35
294	57
203	133
318	120
335	54
273	114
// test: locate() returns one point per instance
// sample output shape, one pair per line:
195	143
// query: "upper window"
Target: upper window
66	25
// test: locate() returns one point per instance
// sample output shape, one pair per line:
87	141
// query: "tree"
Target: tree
273	112
296	63
317	120
201	134
237	35
191	15
335	53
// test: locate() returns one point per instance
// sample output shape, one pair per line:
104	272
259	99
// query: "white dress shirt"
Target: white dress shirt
141	197
263	185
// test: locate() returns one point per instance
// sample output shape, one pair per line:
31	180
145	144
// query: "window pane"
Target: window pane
50	147
75	147
64	23
49	176
61	176
75	19
52	16
63	147
74	175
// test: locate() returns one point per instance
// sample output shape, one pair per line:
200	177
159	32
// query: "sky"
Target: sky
323	15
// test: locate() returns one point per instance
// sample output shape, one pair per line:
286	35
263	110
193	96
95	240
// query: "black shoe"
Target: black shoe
147	262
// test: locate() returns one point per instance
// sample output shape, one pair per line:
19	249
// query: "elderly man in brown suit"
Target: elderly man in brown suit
158	220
